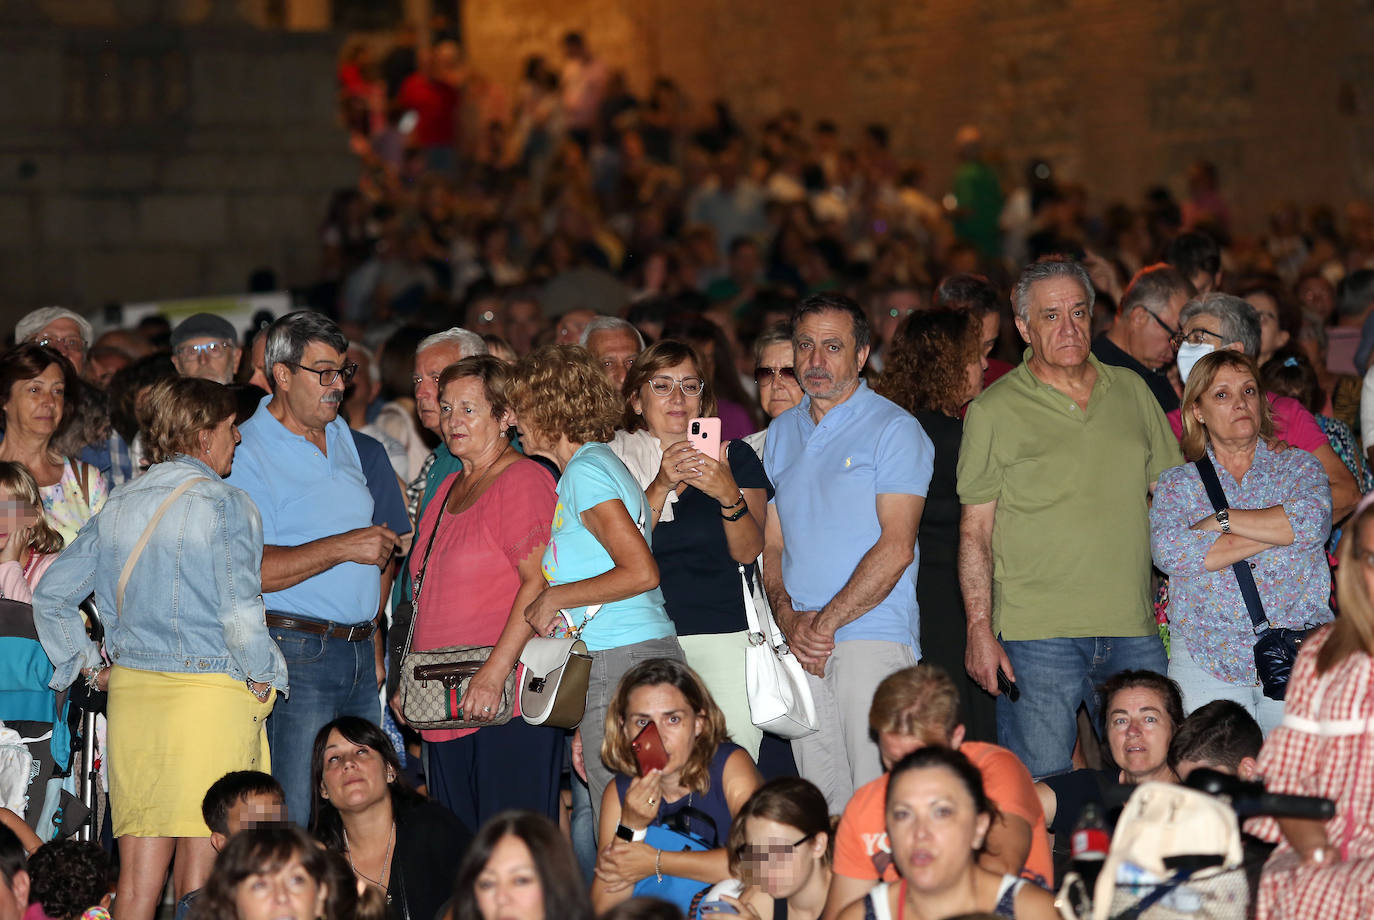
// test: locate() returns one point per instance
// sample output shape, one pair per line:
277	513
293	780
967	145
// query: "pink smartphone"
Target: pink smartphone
704	435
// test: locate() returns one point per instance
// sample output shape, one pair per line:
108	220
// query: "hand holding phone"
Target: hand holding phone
648	748
1007	686
704	435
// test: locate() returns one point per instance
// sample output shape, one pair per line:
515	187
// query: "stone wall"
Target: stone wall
1118	94
162	159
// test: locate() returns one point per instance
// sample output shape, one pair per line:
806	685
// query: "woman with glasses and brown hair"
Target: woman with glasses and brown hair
780	846
707	517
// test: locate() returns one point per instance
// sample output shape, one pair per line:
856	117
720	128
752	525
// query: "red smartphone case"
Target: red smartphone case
648	748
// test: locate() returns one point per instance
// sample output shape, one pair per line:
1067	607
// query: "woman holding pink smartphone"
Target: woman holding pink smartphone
708	502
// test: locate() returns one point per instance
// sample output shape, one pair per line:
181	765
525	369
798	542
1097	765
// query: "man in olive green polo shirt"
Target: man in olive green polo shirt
1055	469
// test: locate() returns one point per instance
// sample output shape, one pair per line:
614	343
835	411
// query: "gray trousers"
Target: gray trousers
843	756
608	667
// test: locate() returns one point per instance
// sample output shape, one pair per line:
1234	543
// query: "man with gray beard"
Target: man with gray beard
322	557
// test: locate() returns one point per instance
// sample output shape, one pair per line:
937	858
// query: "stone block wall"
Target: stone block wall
162	160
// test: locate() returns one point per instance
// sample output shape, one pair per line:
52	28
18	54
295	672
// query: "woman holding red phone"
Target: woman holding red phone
708	502
702	782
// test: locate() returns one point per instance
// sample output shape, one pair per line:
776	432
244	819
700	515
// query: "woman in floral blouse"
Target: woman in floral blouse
1277	521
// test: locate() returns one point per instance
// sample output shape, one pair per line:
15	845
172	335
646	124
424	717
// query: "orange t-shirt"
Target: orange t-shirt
861	847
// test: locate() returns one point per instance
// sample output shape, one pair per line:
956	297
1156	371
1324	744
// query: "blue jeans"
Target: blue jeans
1054	676
329	678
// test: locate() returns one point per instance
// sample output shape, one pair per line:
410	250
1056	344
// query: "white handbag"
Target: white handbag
779	695
553	677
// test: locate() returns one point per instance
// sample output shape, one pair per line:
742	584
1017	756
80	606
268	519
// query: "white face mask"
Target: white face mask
1188	355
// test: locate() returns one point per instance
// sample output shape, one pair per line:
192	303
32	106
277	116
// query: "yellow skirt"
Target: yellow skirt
170	737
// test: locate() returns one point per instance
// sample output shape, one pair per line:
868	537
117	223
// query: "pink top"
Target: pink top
17	582
1292	423
472	577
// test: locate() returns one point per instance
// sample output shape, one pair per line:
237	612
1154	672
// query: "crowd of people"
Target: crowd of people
1018	580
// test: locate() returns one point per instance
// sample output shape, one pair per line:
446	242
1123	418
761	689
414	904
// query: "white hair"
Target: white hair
610	324
34	323
469	343
374	372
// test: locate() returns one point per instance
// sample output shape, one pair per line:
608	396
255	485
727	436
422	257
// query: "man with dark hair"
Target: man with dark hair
1055	466
323	556
851	471
1142	337
1197	258
14	876
1221	736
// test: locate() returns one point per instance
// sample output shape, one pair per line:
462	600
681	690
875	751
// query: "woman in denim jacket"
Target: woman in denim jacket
193	667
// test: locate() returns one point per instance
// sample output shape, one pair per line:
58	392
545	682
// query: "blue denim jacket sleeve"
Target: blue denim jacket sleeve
238	575
55	615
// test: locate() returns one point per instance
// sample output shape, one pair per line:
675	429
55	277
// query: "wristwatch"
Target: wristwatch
1224	519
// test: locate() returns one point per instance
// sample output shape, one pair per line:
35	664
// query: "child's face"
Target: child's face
254	809
15	513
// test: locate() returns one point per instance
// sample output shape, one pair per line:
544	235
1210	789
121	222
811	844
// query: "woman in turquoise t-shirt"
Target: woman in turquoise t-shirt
598	559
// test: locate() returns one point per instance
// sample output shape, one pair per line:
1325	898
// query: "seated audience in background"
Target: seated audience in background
938	817
1278	518
71	880
916	708
520	867
705	781
238	800
394	839
1221	736
275	871
1141	711
780	847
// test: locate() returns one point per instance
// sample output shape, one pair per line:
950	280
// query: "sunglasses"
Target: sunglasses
765	375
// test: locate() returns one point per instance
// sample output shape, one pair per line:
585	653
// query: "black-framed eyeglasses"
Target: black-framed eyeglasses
749	853
1196	337
1173	333
765	375
329	374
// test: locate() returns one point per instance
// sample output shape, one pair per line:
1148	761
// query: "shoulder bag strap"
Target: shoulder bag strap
1253	605
142	543
420	575
751	613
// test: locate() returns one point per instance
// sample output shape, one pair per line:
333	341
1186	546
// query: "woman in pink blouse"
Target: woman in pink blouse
483	571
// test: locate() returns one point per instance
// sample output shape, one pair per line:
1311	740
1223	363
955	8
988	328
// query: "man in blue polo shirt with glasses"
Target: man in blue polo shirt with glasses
322	562
839	559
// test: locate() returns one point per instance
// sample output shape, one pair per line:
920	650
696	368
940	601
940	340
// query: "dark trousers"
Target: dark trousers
516	765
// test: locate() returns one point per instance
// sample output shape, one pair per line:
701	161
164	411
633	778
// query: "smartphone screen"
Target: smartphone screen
648	748
704	435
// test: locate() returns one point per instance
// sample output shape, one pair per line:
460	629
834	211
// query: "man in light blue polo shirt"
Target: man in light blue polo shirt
323	558
850	470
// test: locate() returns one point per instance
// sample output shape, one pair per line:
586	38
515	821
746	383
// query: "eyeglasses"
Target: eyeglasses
1173	333
329	374
662	385
207	351
765	375
1196	337
72	342
750	854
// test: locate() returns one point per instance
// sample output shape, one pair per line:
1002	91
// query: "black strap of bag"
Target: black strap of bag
419	579
1248	590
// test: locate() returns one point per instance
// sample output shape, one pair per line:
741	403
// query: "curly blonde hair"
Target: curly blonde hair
927	365
177	410
562	392
16	479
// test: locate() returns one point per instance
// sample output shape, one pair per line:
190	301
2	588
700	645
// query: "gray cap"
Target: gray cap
35	322
201	326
